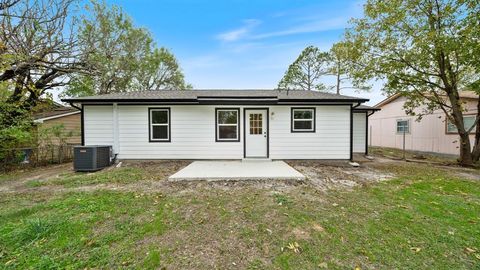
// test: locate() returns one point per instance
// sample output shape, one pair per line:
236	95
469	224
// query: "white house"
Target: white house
225	124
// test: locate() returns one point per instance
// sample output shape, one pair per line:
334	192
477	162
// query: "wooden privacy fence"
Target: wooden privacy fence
11	159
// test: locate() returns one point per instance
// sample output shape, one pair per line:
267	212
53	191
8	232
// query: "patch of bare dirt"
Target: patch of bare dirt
321	175
472	175
159	168
301	234
453	169
327	175
20	178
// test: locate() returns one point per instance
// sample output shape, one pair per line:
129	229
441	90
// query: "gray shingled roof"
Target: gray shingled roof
199	94
366	108
54	112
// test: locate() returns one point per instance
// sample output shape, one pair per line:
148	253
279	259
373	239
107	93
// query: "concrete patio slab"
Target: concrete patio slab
237	170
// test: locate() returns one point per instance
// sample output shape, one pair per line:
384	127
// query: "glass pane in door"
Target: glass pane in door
256	123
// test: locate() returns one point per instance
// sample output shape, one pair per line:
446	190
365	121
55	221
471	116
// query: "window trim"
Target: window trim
314	116
454	132
150	124
217	131
402	120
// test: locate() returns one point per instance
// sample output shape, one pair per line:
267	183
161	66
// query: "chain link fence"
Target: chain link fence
11	159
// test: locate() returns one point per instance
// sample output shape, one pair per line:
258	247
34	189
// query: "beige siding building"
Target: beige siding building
432	134
70	118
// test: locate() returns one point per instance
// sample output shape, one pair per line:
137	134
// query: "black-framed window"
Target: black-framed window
303	120
227	124
159	124
403	126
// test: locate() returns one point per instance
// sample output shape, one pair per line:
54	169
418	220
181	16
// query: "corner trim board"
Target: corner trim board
351	132
82	124
366	133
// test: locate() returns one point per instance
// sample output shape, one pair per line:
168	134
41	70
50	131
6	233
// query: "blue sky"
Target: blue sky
242	44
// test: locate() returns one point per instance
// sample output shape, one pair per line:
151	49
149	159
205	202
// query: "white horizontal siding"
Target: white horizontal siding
98	125
193	133
331	139
359	132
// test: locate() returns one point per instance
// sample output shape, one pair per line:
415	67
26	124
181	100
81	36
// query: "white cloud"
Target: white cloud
310	27
313	25
236	34
293	22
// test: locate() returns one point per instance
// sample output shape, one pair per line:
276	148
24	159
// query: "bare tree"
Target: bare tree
38	48
4	4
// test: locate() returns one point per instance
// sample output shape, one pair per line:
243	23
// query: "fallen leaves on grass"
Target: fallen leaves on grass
470	250
323	265
318	227
415	249
294	246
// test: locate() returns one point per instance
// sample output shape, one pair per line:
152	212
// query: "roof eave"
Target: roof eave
366	109
213	101
42	119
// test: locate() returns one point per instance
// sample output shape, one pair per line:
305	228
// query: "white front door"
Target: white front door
256	133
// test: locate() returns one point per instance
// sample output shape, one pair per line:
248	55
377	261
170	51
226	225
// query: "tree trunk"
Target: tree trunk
466	158
338	77
476	144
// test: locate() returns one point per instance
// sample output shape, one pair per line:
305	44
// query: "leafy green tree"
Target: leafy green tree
473	54
161	70
120	56
341	64
424	50
15	125
306	71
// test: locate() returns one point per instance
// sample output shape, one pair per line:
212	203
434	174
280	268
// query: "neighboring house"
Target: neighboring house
225	124
57	114
432	134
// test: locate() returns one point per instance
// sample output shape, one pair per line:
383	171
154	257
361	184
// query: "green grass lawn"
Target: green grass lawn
425	218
